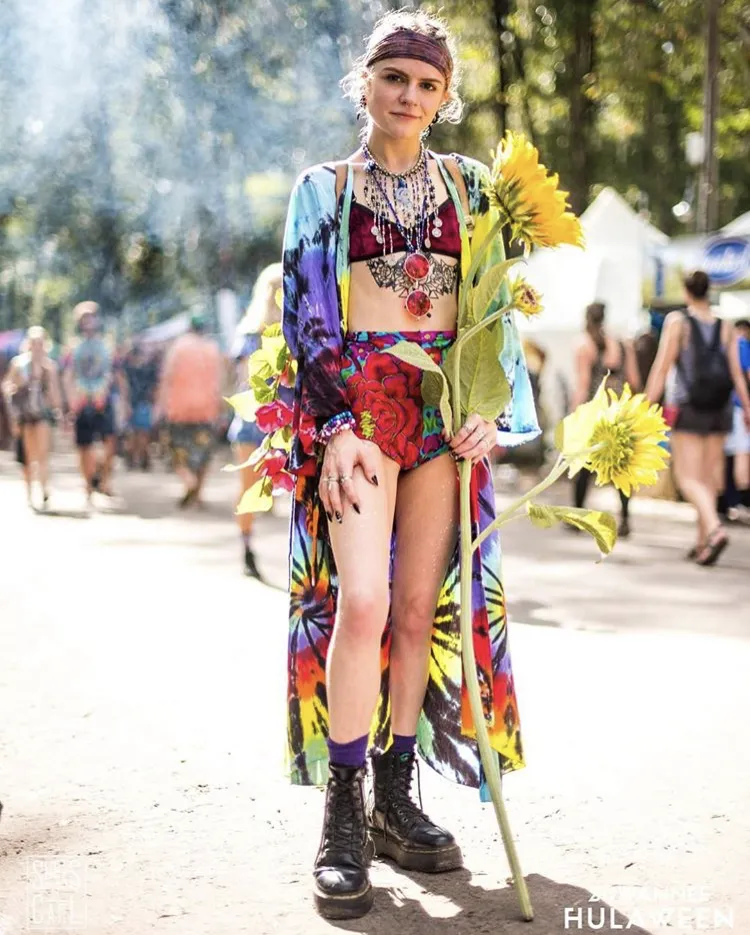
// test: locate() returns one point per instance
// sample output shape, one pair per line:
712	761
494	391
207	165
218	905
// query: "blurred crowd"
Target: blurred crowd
145	401
139	401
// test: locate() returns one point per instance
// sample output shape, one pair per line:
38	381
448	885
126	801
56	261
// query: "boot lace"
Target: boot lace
345	831
398	799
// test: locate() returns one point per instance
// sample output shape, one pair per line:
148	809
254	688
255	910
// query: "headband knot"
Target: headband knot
406	43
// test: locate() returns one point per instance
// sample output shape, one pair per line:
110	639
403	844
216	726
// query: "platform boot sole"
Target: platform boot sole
422	860
350	906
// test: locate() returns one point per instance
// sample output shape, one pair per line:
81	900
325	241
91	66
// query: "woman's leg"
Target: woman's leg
742	468
581	486
426	529
248	477
690	473
43	445
713	464
361	548
31	447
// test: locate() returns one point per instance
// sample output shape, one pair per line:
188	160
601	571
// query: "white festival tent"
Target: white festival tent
620	253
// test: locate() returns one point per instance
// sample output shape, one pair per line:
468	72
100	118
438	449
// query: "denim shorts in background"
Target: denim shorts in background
244	433
141	418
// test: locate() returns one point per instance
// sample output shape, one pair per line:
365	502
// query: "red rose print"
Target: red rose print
390	392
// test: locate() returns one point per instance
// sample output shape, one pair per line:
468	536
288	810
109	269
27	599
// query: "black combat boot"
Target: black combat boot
398	828
342	884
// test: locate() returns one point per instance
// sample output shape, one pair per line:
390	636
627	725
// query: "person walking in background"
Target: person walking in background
246	436
699	354
88	381
597	355
189	398
141	377
738	441
32	391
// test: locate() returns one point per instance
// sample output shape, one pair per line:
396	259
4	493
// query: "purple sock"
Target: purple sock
352	754
403	744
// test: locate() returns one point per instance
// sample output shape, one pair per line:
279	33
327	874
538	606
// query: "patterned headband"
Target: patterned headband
405	43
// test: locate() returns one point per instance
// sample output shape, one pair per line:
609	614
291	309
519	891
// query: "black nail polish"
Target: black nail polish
375	479
330	516
338	517
356	509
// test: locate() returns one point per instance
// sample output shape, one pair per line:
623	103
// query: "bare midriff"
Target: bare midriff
374	307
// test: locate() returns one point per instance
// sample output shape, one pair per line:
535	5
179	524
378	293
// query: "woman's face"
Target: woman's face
403	96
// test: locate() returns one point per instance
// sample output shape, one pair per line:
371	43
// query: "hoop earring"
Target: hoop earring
428	131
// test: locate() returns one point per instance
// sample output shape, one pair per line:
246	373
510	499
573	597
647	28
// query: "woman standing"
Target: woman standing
699	353
246	436
599	355
374	250
32	389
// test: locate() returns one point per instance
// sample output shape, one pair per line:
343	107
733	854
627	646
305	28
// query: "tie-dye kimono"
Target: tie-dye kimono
316	298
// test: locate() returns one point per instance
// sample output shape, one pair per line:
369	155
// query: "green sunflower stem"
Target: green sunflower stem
489	757
511	512
476	261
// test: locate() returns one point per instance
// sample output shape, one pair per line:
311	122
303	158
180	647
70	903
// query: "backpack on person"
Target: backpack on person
711	386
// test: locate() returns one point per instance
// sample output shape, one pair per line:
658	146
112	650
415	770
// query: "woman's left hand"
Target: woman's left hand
475	440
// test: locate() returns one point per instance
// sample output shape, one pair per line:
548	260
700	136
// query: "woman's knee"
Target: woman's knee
363	611
414	616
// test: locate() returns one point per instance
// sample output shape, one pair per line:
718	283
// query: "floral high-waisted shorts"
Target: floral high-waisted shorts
385	394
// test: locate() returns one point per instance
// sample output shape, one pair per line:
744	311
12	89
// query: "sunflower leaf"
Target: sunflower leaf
601	526
486	294
435	389
484	386
258	499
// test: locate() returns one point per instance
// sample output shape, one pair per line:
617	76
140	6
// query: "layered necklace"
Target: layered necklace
407	200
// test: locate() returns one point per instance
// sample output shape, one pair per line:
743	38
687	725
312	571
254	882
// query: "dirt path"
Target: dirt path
142	695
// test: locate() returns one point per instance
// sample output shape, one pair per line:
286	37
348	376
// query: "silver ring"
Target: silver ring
344	478
331	480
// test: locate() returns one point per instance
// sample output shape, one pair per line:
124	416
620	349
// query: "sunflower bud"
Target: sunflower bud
526	299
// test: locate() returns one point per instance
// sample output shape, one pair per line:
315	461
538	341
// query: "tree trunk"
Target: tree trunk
500	10
581	64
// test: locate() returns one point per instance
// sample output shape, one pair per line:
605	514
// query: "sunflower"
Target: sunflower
620	439
526	299
528	199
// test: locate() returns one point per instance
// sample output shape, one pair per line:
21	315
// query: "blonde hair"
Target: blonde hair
264	309
36	333
428	24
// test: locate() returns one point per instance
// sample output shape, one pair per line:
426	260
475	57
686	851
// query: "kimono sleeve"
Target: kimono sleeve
311	321
518	423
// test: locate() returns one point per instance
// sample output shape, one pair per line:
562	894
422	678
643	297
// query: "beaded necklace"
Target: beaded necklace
409	201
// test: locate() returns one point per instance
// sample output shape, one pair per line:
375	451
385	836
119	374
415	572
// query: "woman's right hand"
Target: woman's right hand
344	452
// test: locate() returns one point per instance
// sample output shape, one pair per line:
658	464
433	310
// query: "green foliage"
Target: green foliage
158	172
601	526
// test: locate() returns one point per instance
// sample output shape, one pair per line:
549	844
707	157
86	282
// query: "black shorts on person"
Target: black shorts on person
703	421
94	425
